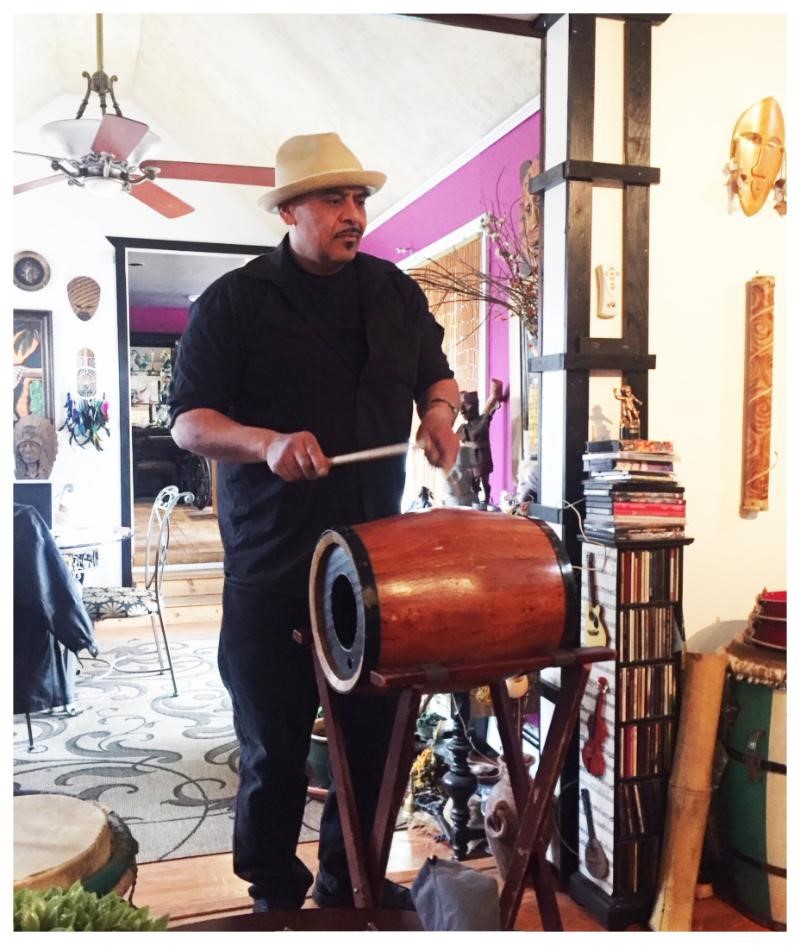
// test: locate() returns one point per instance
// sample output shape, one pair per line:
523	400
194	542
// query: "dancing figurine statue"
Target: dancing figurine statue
629	428
469	481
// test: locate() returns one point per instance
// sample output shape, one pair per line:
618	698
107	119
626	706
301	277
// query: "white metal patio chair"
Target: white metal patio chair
104	603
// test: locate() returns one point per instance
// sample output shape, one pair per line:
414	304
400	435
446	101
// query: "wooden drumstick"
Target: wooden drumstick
378	452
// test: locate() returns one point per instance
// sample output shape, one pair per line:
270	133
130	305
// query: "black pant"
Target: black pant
270	679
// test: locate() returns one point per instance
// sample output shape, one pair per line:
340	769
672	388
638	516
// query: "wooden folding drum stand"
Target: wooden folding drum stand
367	857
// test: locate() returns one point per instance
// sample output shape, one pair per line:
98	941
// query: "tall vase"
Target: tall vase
500	819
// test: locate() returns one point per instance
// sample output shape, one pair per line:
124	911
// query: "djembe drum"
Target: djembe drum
59	839
440	587
750	802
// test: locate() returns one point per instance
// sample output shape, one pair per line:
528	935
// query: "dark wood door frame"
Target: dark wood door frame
121	246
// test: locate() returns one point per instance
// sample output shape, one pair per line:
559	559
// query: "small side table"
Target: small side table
80	546
367	857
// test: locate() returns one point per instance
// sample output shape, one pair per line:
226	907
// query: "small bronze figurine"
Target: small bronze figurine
475	460
629	428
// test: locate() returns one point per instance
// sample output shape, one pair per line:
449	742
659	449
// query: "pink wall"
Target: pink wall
159	319
490	181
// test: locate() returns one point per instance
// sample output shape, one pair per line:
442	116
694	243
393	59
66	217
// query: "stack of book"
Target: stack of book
631	491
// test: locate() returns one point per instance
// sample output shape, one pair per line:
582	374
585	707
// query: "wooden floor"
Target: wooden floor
205	887
194	535
199	888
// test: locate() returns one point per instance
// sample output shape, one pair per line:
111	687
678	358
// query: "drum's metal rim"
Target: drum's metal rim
346	658
760	865
319	607
344	666
368	598
764	764
571	593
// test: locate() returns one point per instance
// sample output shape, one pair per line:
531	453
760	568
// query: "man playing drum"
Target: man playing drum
309	351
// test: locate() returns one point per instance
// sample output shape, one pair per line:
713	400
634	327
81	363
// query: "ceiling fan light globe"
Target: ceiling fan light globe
73	138
103	186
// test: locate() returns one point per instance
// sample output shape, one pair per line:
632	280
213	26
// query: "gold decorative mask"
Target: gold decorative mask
757	152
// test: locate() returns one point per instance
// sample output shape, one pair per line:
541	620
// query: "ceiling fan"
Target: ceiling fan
113	149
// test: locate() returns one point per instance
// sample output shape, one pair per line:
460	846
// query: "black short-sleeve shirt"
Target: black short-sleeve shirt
259	349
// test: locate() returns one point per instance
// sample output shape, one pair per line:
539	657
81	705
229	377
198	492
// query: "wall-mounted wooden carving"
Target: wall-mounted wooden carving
758	394
758	157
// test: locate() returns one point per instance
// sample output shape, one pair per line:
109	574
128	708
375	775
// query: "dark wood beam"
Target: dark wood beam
636	268
637	81
595	359
596	171
654	19
578	276
580	87
485	21
544	21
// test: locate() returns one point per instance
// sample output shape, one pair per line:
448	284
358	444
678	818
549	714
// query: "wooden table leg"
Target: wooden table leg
367	864
538	872
364	895
393	786
528	851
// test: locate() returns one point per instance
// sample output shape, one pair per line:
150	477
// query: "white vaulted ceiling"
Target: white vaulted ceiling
408	96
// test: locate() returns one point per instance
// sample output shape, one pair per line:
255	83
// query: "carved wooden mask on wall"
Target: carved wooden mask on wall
757	154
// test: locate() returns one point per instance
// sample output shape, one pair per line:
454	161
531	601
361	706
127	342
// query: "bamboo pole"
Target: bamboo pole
689	792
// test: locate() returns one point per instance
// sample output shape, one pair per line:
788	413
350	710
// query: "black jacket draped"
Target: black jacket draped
48	615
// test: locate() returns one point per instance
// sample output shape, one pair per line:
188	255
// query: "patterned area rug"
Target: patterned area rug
166	765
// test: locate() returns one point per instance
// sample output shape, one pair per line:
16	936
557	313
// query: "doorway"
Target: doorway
156	282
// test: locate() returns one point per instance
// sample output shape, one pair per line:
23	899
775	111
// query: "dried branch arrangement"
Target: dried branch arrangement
513	286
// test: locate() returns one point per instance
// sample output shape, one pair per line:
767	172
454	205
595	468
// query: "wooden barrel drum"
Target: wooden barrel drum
441	587
750	802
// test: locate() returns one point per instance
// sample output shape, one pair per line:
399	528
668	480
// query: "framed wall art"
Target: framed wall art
33	365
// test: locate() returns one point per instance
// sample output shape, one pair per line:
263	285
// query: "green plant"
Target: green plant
77	910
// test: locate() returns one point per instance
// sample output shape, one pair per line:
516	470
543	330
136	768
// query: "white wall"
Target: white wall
707	70
69	228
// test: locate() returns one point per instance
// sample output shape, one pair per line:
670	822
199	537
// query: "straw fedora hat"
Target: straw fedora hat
307	163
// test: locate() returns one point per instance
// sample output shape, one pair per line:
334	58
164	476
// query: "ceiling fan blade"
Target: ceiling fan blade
39	182
161	200
216	173
49	157
118	136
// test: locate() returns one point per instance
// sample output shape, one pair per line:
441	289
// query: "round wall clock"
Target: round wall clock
31	271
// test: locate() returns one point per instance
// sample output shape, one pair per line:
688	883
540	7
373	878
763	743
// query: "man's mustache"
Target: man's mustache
351	231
